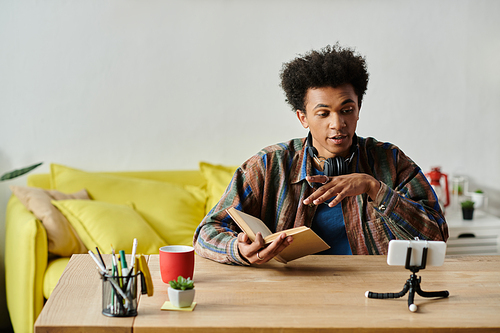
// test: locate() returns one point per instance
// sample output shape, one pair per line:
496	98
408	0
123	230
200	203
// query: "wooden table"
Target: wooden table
316	293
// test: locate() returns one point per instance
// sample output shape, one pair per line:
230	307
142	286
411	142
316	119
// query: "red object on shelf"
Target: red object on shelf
435	177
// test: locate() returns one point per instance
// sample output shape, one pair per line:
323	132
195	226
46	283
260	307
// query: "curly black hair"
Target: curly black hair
331	66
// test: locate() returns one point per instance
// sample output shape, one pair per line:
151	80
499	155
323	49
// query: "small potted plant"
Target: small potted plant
467	209
181	292
478	198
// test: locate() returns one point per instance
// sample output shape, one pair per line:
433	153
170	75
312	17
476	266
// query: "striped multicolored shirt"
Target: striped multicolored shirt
271	185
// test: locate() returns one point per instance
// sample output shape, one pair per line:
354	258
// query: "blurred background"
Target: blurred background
155	85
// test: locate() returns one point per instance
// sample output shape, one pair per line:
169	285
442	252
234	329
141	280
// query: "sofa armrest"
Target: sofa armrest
26	254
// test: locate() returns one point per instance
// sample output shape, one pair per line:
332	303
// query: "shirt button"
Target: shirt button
382	208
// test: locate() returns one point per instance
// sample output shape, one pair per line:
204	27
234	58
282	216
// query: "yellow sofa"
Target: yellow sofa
162	207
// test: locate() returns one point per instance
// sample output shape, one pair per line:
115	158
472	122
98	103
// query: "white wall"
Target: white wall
141	85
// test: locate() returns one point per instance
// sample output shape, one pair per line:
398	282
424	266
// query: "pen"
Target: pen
99	264
134	250
132	265
119	265
113	257
123	263
119	275
100	257
113	294
116	267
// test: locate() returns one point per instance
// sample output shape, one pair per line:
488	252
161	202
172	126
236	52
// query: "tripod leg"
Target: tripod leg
411	296
403	292
422	293
443	293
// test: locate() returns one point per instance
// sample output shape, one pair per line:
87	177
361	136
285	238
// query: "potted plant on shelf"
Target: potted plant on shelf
467	209
478	198
181	292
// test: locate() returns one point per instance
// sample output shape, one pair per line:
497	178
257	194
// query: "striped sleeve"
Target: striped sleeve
216	236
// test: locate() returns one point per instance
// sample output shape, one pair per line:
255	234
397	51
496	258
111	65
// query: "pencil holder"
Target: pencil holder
119	295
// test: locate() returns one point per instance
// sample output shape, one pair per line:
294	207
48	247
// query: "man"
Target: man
355	193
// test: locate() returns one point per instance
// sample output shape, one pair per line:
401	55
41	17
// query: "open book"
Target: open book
305	241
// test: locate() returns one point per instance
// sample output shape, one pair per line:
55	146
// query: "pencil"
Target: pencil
100	257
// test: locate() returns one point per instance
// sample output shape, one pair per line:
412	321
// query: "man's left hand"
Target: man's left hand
341	187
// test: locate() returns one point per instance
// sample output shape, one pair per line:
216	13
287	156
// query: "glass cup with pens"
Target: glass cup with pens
119	283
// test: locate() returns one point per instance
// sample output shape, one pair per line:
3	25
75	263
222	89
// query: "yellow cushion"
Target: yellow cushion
63	241
218	178
54	271
179	177
172	210
41	180
102	224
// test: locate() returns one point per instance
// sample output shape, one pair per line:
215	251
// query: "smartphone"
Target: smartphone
436	251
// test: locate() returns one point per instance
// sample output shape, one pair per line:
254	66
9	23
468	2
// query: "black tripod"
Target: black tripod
412	285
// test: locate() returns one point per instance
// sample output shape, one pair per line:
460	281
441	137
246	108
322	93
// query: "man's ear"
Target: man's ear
301	115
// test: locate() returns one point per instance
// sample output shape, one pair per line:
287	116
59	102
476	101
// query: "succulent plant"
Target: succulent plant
182	283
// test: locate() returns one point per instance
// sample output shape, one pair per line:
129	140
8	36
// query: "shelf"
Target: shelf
478	236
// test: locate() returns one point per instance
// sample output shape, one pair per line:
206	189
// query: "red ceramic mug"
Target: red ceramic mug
175	261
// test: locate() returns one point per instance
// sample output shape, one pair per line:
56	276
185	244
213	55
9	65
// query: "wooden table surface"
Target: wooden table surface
315	293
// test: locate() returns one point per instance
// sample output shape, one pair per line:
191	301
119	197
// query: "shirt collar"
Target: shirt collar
304	165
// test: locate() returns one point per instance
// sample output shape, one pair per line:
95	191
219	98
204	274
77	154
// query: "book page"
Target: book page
249	224
288	232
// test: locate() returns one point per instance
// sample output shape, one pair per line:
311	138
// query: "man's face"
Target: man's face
331	115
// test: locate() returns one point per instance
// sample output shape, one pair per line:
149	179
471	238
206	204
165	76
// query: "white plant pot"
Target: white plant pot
181	298
478	199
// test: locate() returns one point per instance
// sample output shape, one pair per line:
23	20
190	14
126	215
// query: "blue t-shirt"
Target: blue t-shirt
329	224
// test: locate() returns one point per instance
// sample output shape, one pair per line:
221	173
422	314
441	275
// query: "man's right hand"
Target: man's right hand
256	252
